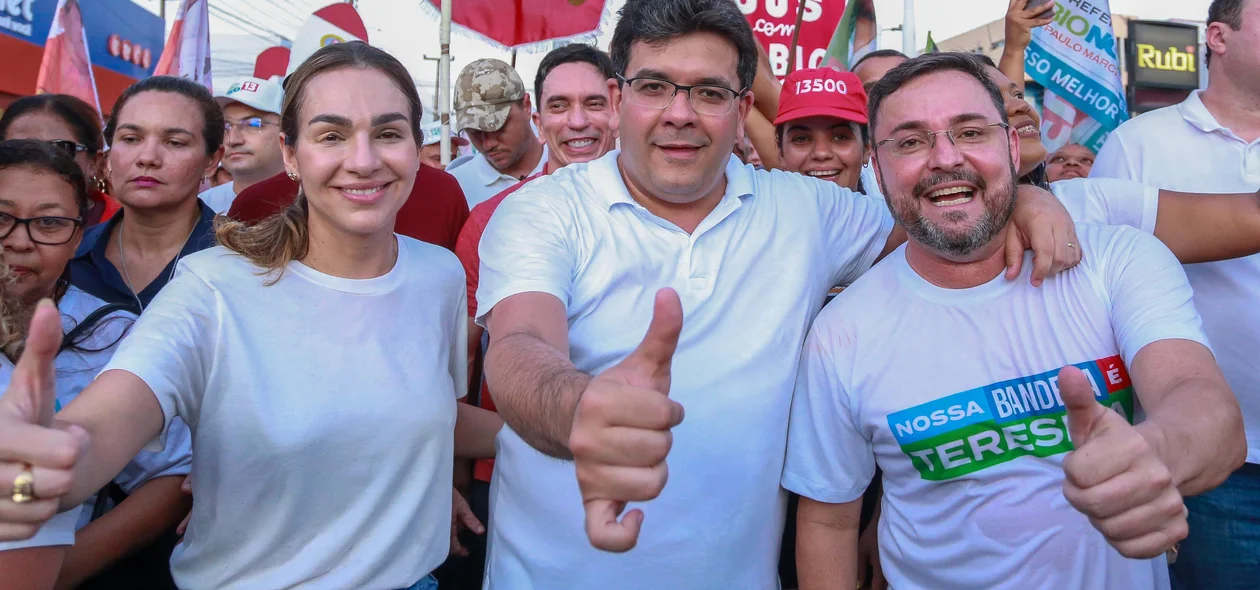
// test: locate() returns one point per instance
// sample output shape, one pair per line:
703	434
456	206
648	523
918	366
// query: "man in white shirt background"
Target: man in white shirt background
1211	143
251	139
493	110
570	267
978	492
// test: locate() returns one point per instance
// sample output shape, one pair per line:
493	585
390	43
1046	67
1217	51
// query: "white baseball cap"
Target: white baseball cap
264	95
433	134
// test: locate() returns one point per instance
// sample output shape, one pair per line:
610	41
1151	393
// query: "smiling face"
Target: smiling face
675	154
824	147
28	193
951	199
159	153
1024	121
355	153
575	115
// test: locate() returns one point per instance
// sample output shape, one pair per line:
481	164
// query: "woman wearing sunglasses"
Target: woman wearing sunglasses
42	200
72	126
166	135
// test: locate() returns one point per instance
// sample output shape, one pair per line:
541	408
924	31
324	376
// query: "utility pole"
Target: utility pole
162	12
908	39
436	85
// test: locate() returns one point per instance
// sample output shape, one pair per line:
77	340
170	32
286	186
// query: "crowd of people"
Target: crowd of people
668	323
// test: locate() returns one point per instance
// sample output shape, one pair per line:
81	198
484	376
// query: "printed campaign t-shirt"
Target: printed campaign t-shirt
751	277
953	393
322	411
75	371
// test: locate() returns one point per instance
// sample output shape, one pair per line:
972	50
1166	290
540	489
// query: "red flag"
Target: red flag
187	51
67	67
521	23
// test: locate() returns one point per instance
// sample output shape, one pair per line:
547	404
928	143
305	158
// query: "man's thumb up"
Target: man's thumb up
32	390
652	359
1086	417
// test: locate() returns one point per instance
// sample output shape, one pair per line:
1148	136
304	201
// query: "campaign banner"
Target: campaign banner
987	426
1075	58
774	21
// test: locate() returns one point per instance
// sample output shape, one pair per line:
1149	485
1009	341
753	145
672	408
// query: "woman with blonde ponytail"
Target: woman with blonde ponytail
317	358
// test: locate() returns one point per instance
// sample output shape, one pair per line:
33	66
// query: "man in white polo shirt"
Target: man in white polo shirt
571	265
251	115
493	110
1211	143
968	389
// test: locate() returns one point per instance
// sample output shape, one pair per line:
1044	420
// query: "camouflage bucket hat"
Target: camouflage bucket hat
484	93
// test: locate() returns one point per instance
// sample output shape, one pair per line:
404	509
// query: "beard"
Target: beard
999	204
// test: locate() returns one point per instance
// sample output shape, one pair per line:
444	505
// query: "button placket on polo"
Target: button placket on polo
1251	160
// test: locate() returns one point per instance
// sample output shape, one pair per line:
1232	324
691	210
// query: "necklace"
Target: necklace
122	257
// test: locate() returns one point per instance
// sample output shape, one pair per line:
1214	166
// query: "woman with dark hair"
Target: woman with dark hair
318	355
42	201
72	126
166	135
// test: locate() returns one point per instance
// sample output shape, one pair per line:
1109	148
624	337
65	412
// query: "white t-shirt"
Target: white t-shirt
953	392
75	370
1184	148
219	198
1109	201
751	278
322	412
480	181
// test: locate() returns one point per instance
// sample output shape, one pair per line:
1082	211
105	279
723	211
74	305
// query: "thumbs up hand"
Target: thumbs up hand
621	431
27	439
1116	478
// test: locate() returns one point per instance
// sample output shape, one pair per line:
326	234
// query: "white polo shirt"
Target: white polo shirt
751	278
1184	148
480	181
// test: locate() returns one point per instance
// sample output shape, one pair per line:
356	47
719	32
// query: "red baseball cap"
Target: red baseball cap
823	91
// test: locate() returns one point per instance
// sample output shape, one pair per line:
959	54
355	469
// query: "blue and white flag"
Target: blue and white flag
1075	58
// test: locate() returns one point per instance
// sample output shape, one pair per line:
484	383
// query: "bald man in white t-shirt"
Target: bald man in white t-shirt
1002	415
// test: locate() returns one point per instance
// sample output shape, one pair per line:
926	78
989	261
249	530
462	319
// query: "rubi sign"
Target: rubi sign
774	21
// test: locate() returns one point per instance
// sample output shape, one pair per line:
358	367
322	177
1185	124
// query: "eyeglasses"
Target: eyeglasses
705	99
964	136
49	231
253	125
67	147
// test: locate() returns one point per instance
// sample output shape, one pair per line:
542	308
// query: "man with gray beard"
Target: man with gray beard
1007	419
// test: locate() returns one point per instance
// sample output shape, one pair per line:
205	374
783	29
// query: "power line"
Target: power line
248	27
287	21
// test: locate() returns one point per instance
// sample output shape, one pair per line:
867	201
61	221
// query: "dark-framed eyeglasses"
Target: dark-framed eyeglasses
253	125
67	147
705	99
49	231
964	136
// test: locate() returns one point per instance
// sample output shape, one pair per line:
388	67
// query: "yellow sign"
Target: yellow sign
1172	60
